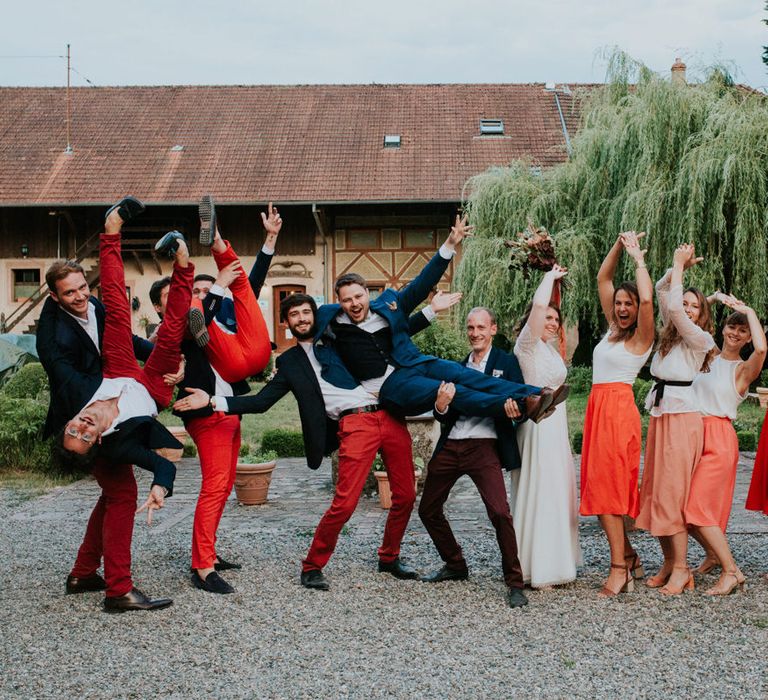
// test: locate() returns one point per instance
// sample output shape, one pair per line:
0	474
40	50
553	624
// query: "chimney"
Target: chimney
678	72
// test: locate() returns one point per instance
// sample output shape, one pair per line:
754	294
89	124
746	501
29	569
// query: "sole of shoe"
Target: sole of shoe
198	328
207	212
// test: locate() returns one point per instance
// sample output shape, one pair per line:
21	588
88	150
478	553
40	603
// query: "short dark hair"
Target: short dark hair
294	300
157	289
347	279
60	269
736	318
202	277
69	462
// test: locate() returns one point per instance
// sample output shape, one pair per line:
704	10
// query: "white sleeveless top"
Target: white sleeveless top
612	362
716	391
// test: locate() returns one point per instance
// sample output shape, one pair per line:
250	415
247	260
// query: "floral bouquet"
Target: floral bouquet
533	249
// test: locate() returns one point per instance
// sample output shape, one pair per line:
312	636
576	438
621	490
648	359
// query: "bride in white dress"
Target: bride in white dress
543	501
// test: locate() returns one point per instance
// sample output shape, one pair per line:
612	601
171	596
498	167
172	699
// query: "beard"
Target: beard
304	335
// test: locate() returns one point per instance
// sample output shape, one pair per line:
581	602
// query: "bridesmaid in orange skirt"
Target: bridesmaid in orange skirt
675	429
719	393
610	456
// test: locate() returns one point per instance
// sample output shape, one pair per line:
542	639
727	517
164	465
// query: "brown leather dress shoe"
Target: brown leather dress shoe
84	584
536	405
134	600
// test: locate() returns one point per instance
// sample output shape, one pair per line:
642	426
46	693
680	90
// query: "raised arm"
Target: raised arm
750	369
605	278
693	336
646	325
273	222
542	297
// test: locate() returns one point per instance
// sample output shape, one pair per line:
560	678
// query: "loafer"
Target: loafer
314	579
84	584
560	394
169	243
134	600
516	598
127	208
536	405
398	568
446	574
213	583
223	565
197	327
207	212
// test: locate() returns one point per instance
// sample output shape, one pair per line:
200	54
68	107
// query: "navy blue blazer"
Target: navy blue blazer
506	366
396	307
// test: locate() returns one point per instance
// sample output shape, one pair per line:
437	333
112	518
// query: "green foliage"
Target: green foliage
442	340
189	449
763	379
286	443
580	379
681	162
747	440
30	382
577	439
21	429
253	456
641	387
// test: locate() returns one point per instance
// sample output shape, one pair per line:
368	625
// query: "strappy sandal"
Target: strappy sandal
687	586
737	581
628	587
635	565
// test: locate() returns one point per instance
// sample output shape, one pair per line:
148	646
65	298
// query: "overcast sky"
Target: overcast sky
166	42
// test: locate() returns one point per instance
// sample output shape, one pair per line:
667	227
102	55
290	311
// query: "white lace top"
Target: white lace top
540	362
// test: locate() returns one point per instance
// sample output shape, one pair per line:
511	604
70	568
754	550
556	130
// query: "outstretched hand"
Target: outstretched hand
445	394
272	221
685	255
155	501
444	300
557	272
459	231
630	241
197	398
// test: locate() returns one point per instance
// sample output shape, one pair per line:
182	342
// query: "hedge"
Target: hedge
287	443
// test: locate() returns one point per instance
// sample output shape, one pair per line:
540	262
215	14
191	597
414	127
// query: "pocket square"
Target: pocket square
392	305
498	372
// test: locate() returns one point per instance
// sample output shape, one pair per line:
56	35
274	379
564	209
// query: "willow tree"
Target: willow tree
685	163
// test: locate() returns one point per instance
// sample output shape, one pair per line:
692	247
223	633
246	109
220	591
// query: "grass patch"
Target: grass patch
20	486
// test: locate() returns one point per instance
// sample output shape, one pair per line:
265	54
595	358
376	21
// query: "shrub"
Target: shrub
442	340
747	440
577	440
762	380
189	449
580	379
641	387
258	456
30	382
286	443
21	429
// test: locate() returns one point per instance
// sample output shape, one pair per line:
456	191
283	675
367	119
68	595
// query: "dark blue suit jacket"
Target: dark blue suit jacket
506	366
395	307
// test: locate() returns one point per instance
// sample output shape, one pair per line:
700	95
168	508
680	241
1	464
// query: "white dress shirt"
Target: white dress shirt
474	427
89	325
134	400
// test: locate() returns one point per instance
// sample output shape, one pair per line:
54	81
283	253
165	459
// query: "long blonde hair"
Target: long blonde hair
669	336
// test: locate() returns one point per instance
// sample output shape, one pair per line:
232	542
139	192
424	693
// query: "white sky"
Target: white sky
166	42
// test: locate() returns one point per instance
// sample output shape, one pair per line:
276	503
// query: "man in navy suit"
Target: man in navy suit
477	447
369	340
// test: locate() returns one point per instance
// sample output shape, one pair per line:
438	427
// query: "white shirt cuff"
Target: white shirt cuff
429	313
446	252
442	413
221	403
218	290
267	250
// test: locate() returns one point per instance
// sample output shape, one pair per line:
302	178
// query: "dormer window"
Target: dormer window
392	141
491	127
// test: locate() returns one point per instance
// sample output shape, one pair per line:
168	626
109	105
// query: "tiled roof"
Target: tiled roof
304	143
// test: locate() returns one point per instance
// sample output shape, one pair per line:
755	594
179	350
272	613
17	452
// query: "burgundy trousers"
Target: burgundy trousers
110	529
117	355
478	459
218	444
361	436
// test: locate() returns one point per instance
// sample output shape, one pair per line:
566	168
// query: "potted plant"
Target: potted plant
382	480
253	475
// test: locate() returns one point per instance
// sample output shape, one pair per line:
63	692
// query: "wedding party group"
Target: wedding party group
356	374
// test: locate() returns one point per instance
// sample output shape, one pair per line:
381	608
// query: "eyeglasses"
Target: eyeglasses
85	437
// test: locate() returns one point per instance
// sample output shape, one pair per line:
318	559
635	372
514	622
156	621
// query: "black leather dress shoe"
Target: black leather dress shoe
516	598
169	243
213	583
207	211
83	584
399	569
127	208
134	600
223	565
314	579
446	574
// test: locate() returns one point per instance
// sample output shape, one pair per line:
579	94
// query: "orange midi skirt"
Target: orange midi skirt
757	497
673	448
714	477
610	453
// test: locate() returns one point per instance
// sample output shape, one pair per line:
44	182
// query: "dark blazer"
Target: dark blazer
198	373
504	365
295	374
71	361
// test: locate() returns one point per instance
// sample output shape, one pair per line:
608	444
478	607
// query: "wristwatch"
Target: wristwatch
212	402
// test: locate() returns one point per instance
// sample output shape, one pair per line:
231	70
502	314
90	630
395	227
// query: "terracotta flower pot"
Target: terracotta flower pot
385	492
762	396
252	482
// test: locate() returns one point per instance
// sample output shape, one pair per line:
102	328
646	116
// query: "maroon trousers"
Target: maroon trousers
218	444
110	529
478	459
361	436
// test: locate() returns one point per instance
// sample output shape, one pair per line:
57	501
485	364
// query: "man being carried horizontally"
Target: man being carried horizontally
118	422
371	339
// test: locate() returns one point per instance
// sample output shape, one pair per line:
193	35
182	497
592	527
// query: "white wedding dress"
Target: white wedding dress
543	500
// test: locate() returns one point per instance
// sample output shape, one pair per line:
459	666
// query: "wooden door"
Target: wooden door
283	337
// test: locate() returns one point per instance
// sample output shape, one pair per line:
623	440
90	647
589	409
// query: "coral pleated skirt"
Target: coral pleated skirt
757	497
714	477
673	448
610	452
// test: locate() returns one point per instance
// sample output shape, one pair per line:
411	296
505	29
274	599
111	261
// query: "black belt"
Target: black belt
363	409
659	385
